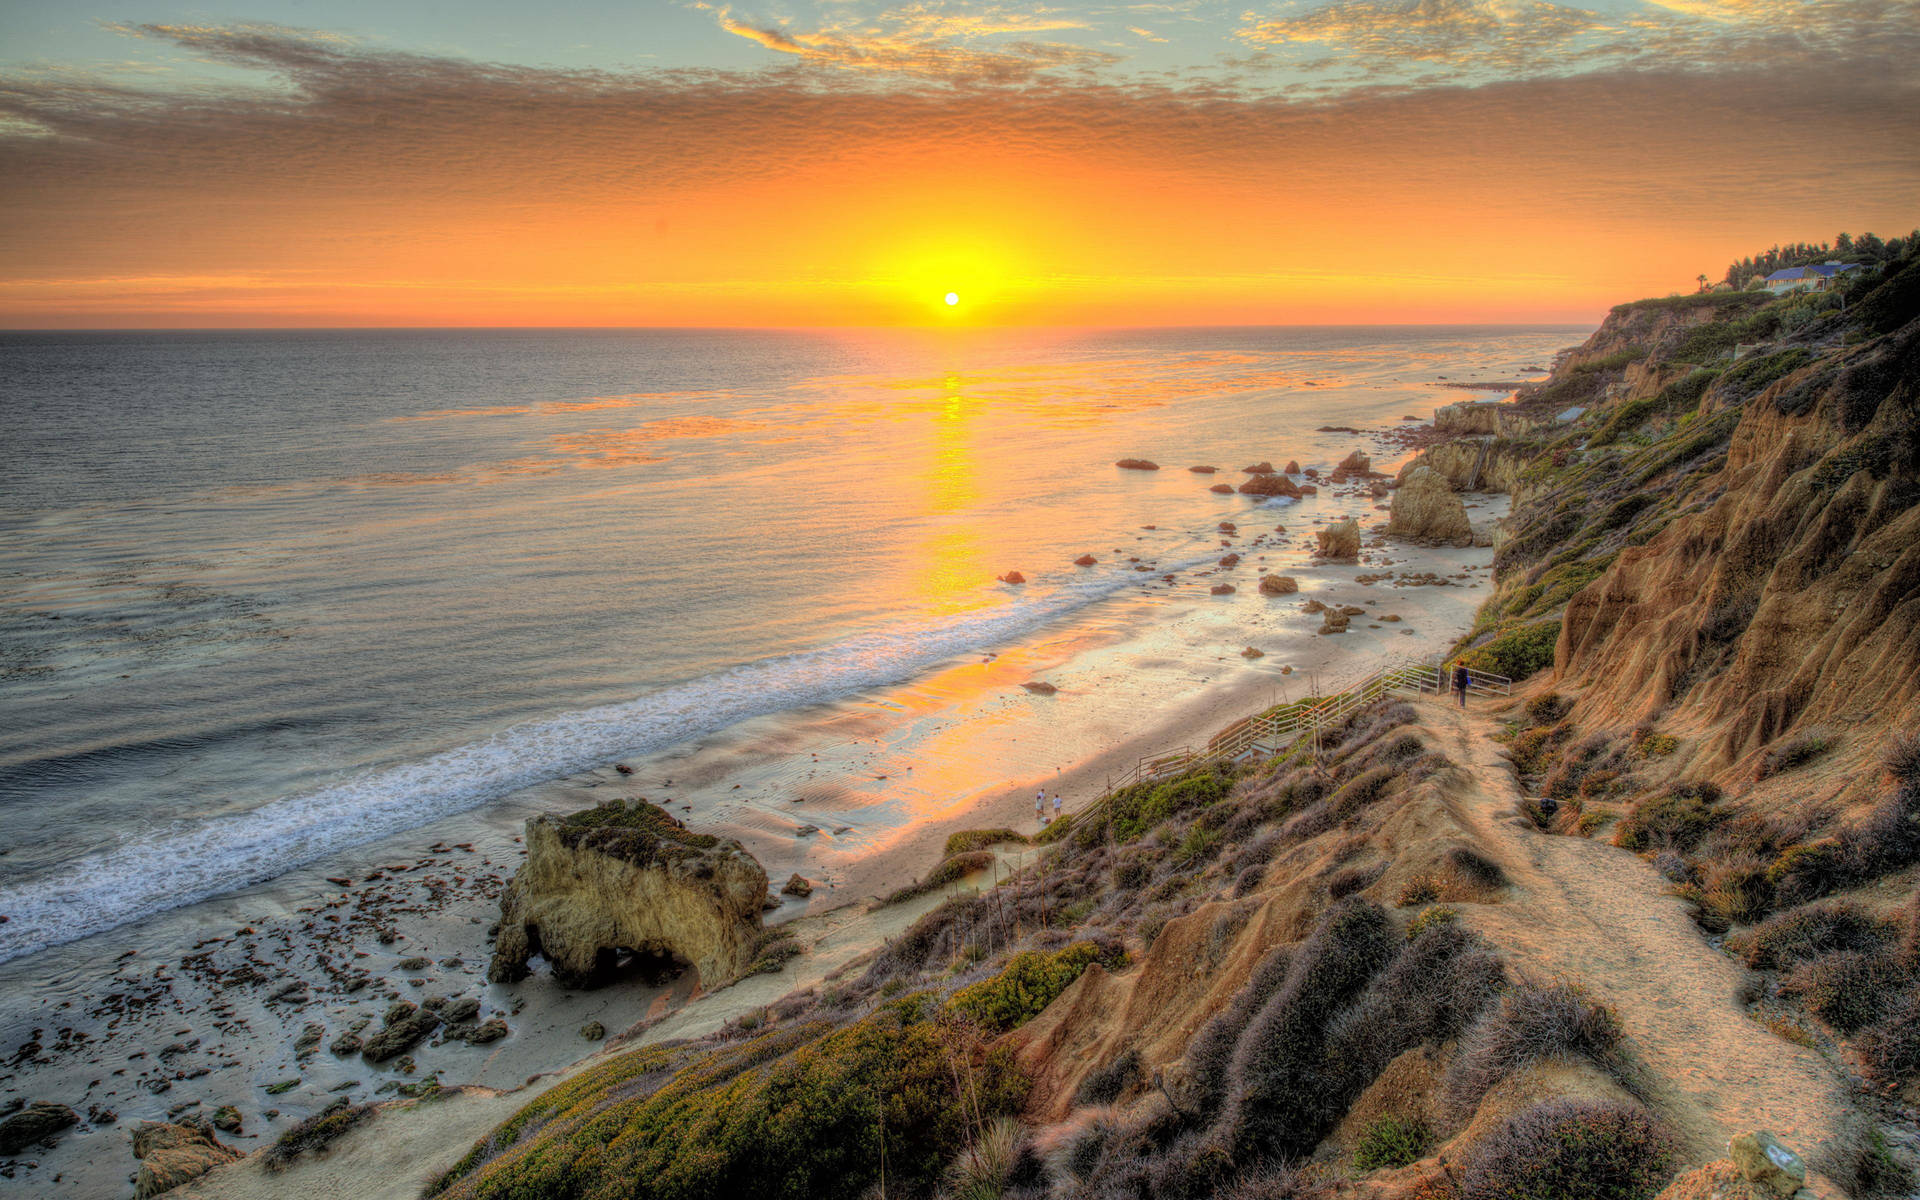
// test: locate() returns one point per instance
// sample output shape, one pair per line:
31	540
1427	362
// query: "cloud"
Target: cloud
929	42
1486	39
400	183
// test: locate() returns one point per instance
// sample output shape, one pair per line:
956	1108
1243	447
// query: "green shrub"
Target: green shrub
1753	375
950	870
633	830
969	840
1807	872
1572	1150
1799	935
801	1111
1430	916
1516	652
1031	980
1392	1141
1680	819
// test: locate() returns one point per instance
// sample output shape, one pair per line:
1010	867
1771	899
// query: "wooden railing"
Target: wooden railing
1273	730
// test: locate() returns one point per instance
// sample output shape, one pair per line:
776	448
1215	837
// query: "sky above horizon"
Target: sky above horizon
786	162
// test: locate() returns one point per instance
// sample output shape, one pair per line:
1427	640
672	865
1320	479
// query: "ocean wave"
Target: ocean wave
191	861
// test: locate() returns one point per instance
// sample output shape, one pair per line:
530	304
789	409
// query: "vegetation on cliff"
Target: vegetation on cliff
1285	978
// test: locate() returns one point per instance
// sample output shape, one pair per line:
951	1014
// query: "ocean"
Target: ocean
268	596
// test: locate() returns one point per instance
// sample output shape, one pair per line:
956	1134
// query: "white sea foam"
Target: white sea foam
194	860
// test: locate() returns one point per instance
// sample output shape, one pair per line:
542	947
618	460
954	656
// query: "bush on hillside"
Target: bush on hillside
316	1133
1517	652
1031	980
1392	1141
968	840
1679	818
1803	934
801	1111
1280	1105
1848	989
1572	1150
1532	1022
1794	753
1890	1047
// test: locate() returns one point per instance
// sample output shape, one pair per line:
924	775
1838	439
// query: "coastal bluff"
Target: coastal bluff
627	877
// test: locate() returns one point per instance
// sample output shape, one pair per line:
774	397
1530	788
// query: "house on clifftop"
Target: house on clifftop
1817	278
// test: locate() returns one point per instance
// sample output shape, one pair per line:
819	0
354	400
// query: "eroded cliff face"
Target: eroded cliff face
627	877
1793	598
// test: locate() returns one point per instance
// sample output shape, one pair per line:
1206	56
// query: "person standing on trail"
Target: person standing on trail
1040	807
1461	682
1056	806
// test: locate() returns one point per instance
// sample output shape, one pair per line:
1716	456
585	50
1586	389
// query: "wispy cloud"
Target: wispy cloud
929	42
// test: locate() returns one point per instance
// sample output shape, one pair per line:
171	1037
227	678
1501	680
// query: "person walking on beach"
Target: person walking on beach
1461	682
1040	807
1056	806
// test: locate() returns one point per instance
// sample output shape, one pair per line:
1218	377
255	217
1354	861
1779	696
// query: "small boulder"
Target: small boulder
1137	464
1339	540
1229	527
1221	589
171	1155
38	1122
1230	560
1013	577
1313	606
1270	485
1259	468
1334	622
466	1008
488	1031
1253	652
1040	687
799	885
1225	489
1278	585
1085	560
1203	470
226	1119
1355	464
593	1031
401	1033
1762	1159
1293	467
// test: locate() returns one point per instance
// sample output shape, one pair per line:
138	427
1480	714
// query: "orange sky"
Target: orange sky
373	187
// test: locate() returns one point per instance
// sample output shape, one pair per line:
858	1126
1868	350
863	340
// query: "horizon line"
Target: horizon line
16	329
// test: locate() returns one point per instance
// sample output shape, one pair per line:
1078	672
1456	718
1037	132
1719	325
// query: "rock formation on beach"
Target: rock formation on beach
171	1155
1270	484
628	877
1426	509
1278	585
1340	540
1137	464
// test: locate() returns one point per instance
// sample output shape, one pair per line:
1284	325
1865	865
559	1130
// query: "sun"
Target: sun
953	299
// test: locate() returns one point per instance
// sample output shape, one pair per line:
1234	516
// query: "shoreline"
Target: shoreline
192	1039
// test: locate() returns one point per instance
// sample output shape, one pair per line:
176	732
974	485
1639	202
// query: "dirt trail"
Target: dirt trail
1600	916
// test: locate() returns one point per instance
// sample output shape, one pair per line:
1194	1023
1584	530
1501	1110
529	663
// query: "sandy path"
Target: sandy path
1600	915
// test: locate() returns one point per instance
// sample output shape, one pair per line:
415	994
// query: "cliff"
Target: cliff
628	878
